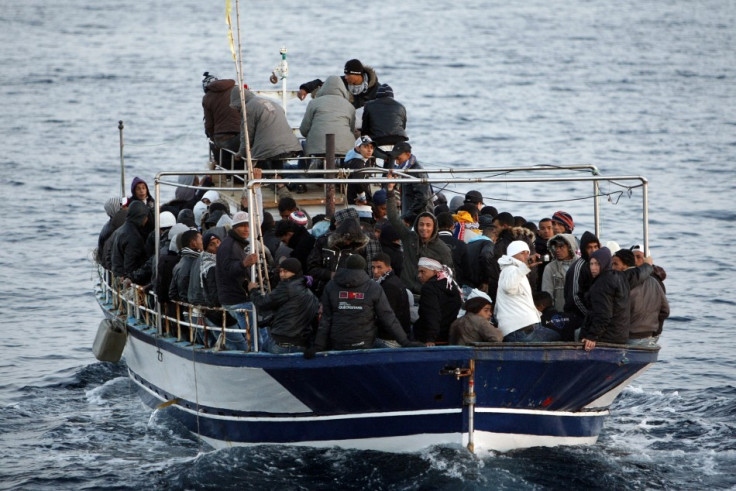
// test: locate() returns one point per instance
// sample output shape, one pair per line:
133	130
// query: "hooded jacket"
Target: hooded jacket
128	251
438	308
294	307
506	237
332	250
352	307
220	120
384	120
269	132
414	248
553	278
330	112
608	318
514	303
578	279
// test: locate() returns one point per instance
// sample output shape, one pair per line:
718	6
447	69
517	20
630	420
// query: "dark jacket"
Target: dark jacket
231	275
179	286
578	279
294	307
332	250
128	251
352	307
301	244
416	197
608	319
438	308
395	291
414	248
220	120
353	190
460	257
104	242
384	120
480	257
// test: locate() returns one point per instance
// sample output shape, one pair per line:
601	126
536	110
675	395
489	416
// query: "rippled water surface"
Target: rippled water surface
643	88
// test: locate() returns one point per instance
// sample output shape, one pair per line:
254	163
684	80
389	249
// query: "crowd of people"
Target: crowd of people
399	266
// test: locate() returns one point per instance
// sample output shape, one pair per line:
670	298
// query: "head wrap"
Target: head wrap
443	272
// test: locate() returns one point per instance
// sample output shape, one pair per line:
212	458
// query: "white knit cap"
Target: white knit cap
166	220
516	247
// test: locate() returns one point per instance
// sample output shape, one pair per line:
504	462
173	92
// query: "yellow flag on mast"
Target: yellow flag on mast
228	9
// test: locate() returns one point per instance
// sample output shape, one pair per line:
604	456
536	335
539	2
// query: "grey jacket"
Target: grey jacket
649	308
269	132
553	278
330	112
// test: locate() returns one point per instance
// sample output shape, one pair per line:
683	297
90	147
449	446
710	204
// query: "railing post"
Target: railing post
330	164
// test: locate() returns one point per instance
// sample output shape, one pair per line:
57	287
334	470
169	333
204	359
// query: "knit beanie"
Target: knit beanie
355	261
384	90
291	264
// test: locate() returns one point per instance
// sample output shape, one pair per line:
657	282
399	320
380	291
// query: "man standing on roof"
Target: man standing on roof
360	194
221	122
360	81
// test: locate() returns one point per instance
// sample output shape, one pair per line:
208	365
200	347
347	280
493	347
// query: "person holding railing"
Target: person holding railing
294	308
232	274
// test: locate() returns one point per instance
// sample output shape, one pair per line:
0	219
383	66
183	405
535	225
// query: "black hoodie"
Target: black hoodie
578	278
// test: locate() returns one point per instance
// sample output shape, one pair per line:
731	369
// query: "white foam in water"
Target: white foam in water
101	395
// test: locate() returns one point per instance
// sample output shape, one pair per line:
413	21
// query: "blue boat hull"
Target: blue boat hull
385	399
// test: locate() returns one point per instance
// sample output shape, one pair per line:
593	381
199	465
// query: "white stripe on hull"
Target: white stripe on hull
503	442
228	388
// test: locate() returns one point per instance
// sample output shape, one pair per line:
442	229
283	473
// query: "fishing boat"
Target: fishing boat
487	397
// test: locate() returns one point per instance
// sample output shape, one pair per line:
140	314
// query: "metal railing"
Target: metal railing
188	320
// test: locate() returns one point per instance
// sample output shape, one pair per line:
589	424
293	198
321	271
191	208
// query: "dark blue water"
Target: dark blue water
632	87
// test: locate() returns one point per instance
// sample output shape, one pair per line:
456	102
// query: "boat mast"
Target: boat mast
253	211
121	126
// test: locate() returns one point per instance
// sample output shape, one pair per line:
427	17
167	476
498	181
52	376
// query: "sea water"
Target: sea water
632	87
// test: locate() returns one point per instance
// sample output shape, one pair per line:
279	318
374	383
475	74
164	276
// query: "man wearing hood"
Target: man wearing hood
330	112
353	306
578	278
563	248
359	80
421	241
269	133
116	214
332	250
518	317
128	250
609	316
221	122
